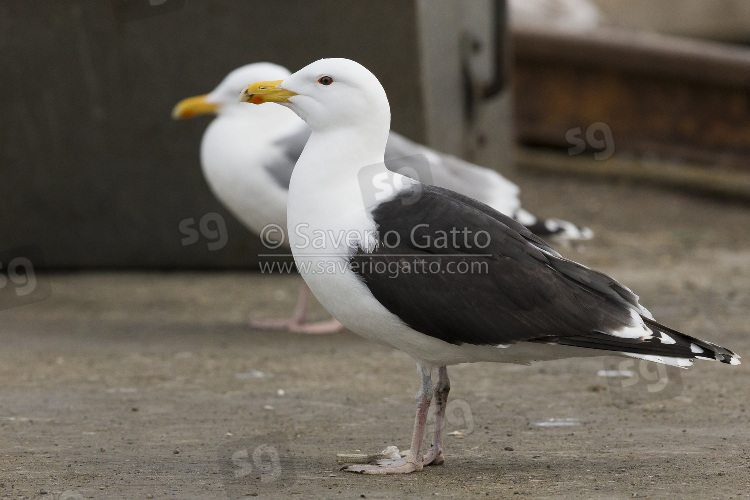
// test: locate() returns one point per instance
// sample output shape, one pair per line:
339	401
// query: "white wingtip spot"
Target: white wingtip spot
524	217
567	231
696	349
678	362
666	339
638	330
645	312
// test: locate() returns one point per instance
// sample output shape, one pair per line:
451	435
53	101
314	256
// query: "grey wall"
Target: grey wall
95	173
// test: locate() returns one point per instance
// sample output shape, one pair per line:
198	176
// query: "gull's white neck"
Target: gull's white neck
340	153
325	192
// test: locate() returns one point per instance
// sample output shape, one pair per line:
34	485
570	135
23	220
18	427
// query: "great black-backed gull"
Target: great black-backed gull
248	154
385	268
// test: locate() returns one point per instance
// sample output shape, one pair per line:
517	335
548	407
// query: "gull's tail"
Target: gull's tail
663	345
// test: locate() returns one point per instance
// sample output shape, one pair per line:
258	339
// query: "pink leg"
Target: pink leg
442	388
413	461
298	322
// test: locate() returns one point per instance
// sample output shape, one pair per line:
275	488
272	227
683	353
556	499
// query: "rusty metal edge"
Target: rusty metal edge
644	53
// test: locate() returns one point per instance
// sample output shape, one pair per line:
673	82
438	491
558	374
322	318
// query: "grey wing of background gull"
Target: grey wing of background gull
402	155
430	167
479	183
453	173
291	146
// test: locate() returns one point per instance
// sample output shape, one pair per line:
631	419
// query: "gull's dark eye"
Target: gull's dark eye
325	80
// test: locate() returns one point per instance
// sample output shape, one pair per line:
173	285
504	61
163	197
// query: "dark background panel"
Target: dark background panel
96	173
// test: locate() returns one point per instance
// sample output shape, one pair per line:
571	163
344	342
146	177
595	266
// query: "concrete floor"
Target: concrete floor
150	385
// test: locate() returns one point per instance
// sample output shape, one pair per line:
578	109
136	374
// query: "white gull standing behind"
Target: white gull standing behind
248	154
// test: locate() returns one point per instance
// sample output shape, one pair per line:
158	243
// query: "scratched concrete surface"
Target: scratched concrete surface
149	385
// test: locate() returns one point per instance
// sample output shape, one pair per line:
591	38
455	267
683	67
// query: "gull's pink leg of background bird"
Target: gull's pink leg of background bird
298	322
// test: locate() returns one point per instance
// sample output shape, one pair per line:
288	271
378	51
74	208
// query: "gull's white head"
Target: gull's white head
328	94
225	94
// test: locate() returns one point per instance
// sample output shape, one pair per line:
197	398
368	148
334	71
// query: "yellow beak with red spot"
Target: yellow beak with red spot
194	106
260	92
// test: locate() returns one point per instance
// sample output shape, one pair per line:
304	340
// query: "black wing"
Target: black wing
503	287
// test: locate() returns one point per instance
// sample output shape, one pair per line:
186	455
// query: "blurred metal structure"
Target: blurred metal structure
727	20
97	175
465	49
663	97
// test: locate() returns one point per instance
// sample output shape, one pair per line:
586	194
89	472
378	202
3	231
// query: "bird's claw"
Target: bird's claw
389	466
